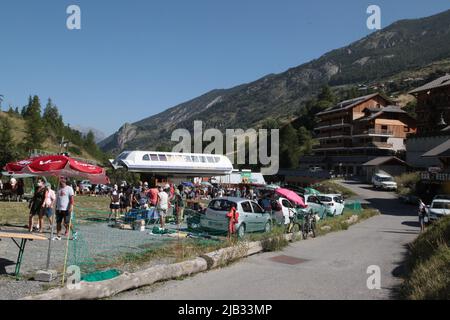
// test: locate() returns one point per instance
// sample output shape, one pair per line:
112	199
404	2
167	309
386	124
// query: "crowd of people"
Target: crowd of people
143	197
51	204
168	198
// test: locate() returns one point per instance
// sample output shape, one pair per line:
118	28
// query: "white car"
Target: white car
335	203
384	182
438	209
85	186
282	209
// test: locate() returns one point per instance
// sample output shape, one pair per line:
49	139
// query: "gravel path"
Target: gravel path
96	241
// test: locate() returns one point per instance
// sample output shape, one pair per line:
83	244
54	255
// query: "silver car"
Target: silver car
252	217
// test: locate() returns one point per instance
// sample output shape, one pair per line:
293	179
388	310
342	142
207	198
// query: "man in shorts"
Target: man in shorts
162	205
64	208
114	205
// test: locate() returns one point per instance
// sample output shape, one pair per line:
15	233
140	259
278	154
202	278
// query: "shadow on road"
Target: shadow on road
400	272
411	224
392	207
401	232
3	264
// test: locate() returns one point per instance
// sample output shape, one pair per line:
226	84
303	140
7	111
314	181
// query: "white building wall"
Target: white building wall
399	143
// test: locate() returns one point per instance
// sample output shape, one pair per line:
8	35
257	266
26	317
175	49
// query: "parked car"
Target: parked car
252	218
442	197
318	207
282	208
103	189
438	209
298	190
335	203
85	186
384	181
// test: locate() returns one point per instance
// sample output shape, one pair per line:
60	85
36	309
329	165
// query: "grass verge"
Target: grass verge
406	183
427	268
331	187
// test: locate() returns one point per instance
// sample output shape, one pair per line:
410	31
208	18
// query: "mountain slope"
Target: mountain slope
404	45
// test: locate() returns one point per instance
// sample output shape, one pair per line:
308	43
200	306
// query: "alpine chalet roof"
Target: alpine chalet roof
442	150
438	83
349	104
380	111
382	160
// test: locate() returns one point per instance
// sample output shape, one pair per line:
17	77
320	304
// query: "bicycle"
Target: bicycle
295	224
309	225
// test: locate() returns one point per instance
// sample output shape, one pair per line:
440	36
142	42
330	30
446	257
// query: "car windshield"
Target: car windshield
221	205
123	155
386	179
325	199
441	205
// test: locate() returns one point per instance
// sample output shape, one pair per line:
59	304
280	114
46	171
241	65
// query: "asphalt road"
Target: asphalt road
331	267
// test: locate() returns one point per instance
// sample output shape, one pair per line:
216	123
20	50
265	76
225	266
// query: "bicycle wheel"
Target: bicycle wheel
305	230
296	228
313	229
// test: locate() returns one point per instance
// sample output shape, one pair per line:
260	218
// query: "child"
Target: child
233	219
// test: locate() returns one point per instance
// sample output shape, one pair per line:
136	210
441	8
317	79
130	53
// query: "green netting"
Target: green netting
354	205
99	243
100	276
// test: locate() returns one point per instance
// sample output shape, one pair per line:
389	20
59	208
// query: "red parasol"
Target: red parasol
291	195
58	165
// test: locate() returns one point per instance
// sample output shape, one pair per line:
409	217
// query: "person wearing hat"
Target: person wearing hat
37	204
114	205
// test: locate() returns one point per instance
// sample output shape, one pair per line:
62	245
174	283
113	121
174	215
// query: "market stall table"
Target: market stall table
24	237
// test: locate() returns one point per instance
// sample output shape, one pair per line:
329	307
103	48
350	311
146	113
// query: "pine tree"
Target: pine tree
327	95
27	109
35	134
53	121
290	149
7	148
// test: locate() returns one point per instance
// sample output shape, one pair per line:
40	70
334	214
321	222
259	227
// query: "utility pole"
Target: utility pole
63	144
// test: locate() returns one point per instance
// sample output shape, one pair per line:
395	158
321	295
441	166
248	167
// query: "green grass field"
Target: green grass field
16	213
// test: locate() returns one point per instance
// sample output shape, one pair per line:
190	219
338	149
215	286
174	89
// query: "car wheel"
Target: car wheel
268	227
241	231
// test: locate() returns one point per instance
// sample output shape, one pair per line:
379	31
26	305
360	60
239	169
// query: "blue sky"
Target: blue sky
136	58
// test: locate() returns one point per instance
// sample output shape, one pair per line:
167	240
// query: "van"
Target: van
384	181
